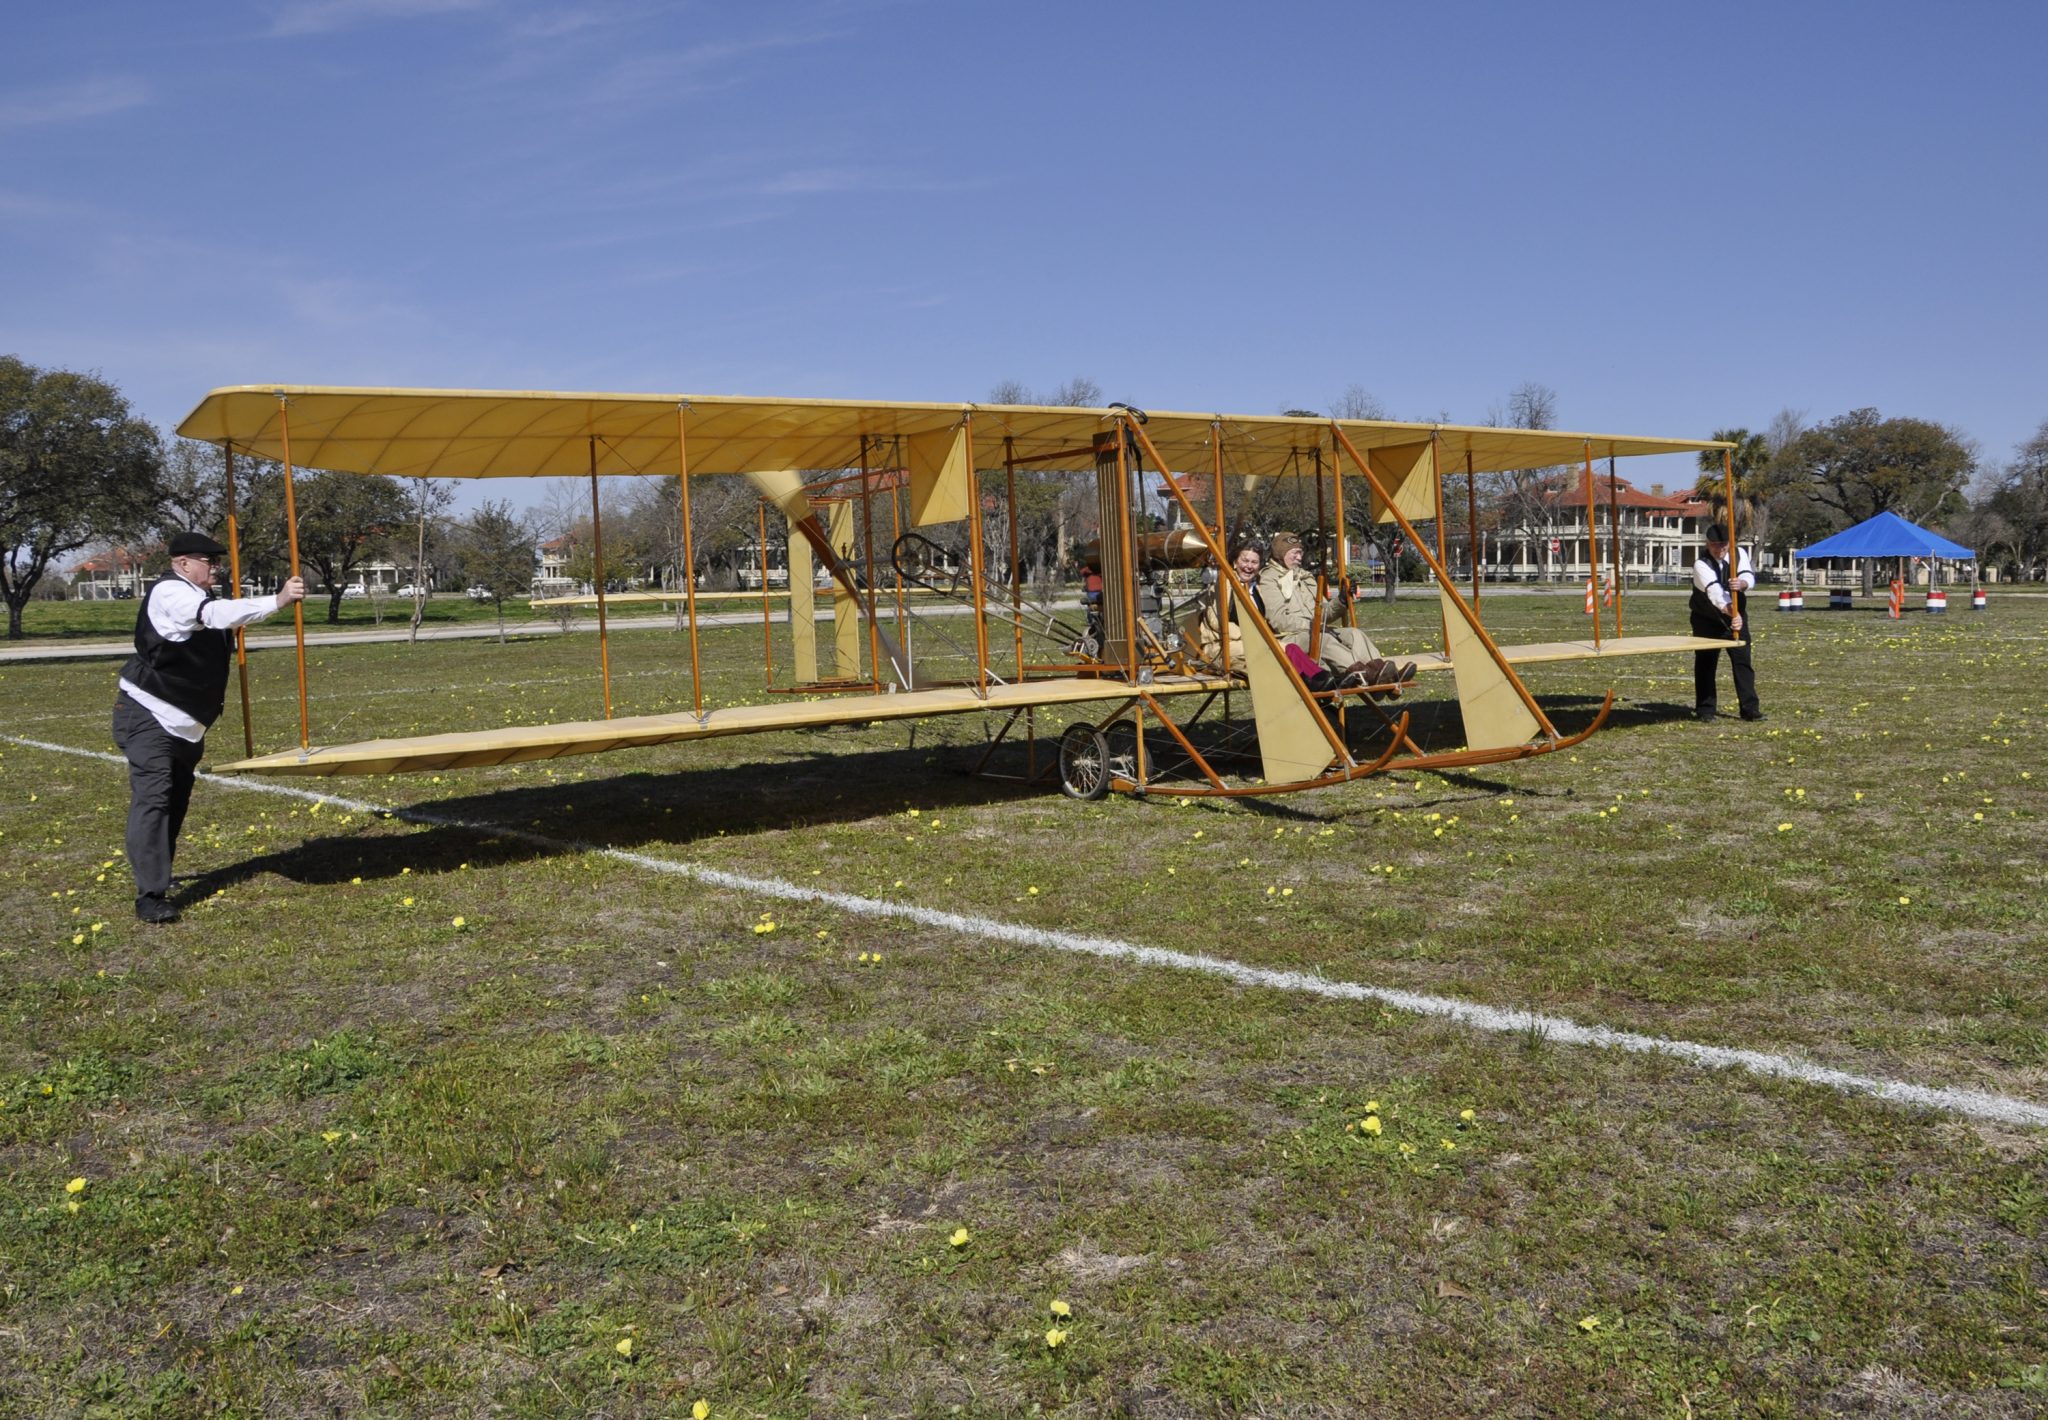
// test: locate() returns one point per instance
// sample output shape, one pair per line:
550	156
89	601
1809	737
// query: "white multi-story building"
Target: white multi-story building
1661	535
115	572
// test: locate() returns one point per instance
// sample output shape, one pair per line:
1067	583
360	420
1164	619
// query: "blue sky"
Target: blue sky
1679	218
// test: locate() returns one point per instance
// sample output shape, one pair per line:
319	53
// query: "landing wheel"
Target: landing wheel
1084	763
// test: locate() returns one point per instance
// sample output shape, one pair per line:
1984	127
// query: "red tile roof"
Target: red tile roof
1572	494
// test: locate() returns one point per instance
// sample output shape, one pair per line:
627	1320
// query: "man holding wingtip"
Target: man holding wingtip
1718	586
172	690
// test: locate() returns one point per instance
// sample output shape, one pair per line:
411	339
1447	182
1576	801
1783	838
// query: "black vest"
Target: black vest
1702	606
191	674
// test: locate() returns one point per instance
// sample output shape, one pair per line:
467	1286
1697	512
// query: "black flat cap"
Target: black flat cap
195	544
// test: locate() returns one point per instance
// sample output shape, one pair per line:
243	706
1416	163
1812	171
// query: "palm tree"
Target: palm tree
1751	456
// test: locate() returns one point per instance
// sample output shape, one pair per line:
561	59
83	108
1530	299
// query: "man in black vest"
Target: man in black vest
1717	589
172	690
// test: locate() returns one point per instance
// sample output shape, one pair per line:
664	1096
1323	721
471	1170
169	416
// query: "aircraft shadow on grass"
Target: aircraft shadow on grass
797	789
642	808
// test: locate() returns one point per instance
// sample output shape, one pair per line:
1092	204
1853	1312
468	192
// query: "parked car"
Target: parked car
409	590
356	590
479	594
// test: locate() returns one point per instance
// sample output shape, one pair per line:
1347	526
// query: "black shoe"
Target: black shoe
1754	715
1706	712
154	909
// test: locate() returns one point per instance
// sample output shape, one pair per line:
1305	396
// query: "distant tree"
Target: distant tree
1986	532
1786	425
498	554
345	520
430	499
1054	510
2020	499
721	523
193	489
76	466
1078	393
1522	497
1860	463
193	495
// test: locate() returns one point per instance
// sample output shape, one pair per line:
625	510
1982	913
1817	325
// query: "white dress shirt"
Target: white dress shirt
1703	577
177	608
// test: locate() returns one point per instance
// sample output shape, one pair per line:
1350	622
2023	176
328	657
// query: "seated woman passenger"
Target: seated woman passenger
1247	564
1287	596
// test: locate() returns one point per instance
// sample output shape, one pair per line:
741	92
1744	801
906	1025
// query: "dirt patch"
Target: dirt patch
1089	1265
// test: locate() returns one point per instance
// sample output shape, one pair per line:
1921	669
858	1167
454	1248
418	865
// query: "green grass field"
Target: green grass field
410	1118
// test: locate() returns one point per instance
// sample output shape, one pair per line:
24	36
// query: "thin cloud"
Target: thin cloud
809	182
695	69
30	206
566	20
313	17
67	103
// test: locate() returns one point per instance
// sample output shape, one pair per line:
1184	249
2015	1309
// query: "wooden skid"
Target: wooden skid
517	744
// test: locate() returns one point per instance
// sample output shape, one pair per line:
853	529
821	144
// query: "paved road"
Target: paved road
272	639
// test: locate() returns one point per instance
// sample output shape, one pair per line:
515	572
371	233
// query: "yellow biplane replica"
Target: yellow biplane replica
1136	665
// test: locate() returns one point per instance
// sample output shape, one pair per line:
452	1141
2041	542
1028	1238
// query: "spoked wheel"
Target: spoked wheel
1084	763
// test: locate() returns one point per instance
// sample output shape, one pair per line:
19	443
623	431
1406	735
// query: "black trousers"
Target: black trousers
1704	664
160	771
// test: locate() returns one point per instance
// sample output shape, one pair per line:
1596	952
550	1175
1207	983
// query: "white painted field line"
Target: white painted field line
1977	1104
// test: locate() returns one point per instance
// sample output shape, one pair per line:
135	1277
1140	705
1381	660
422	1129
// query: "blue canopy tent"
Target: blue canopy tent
1887	535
